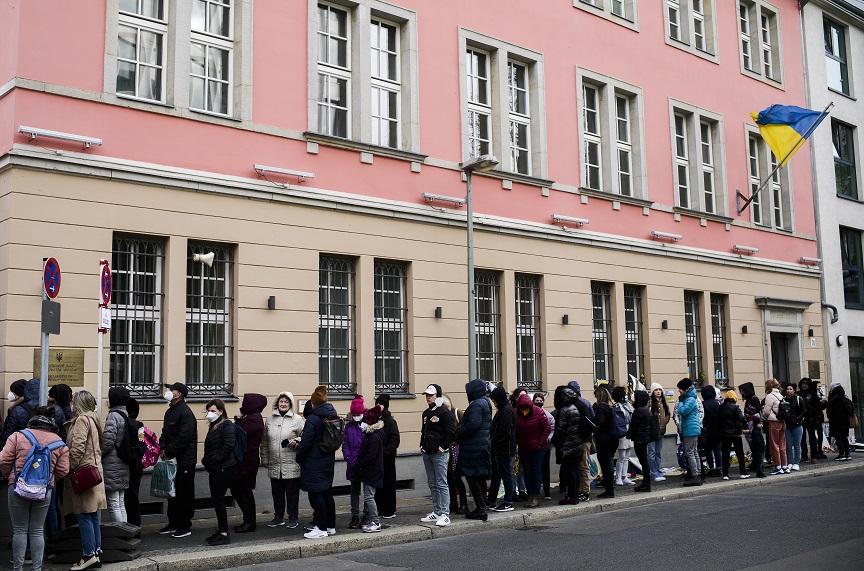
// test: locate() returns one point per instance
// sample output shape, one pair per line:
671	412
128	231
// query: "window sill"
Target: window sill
195	399
755	75
217	115
603	195
143	101
856	306
706	215
846	95
349	145
850	198
516	177
606	14
693	50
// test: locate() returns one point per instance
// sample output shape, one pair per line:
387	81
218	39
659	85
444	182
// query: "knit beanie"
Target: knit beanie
384	401
655	386
357	406
372	415
685	384
319	396
730	395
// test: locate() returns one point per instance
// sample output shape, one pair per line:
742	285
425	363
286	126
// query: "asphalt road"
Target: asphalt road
812	523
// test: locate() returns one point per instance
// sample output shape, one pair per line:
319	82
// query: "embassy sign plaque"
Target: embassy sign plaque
65	366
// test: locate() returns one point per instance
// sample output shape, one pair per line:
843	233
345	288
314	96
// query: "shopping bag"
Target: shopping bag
162	480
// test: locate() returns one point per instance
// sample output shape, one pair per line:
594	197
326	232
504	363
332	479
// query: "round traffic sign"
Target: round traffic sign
51	277
105	284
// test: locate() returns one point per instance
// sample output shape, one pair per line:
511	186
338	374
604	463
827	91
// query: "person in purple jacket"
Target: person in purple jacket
350	449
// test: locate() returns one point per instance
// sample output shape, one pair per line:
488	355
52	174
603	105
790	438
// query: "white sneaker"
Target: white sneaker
787	469
660	479
442	520
619	483
725	477
628	482
315	534
431	517
743	476
795	467
331	531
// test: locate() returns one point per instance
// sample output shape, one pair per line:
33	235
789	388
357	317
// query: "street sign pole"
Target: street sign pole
43	353
50	322
104	324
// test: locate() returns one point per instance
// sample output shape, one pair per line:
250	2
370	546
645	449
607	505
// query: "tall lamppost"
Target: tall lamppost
482	163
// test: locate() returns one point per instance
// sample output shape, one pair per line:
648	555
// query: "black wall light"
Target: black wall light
565	319
438	312
664	324
271	302
744	329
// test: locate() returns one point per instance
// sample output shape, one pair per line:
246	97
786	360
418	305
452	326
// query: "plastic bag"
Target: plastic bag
162	480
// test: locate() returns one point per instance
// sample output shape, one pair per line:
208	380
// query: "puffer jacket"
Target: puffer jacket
316	466
567	438
18	447
473	434
369	468
252	423
639	430
116	470
731	419
772	405
688	410
840	409
179	438
351	442
281	461
503	432
797	411
532	430
17	417
711	406
219	446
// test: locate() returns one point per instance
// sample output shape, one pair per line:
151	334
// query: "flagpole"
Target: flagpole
807	133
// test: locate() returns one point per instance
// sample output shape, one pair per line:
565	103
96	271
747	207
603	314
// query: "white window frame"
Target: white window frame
700	173
382	84
622	12
607	140
517	118
210	42
775	200
760	45
479	103
328	72
691	25
144	24
754	177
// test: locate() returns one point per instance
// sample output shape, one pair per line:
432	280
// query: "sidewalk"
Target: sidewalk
164	553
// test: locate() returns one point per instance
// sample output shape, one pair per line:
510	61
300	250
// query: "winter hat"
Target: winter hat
372	415
833	386
574	384
655	386
384	401
730	395
61	393
118	396
18	387
708	392
357	406
499	396
685	384
319	396
640	398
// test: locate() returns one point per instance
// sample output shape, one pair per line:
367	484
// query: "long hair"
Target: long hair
84	404
657	402
601	395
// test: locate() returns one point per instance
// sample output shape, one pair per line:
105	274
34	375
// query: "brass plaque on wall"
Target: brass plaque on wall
64	366
813	370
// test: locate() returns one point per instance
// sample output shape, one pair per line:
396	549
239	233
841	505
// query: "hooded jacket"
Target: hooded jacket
392	439
351	442
316	466
574	385
751	401
640	423
17	417
116	475
731	418
688	410
797	411
711	406
252	423
369	468
567	438
814	406
532	429
839	410
281	461
503	432
475	445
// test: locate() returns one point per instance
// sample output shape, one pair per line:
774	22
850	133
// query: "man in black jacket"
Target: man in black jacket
179	441
438	431
503	436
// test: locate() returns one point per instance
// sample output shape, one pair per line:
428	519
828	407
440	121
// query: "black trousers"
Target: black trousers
570	477
642	455
810	433
728	443
284	492
385	497
458	495
477	485
219	482
131	498
544	471
605	450
324	509
181	508
245	498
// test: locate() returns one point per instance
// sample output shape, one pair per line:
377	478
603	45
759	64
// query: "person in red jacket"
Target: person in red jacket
532	435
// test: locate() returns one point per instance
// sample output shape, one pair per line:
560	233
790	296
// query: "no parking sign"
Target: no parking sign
104	283
51	277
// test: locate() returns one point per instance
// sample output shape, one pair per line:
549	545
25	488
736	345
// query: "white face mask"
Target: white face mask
357	418
213	416
169	396
363	426
11	397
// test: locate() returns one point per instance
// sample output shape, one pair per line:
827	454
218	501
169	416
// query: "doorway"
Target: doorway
780	357
856	378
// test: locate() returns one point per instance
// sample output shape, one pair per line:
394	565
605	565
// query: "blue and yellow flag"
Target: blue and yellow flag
785	128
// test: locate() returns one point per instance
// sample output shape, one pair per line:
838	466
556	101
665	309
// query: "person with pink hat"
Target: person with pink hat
350	449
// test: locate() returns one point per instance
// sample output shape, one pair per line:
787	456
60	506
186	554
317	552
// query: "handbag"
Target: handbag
853	421
86	477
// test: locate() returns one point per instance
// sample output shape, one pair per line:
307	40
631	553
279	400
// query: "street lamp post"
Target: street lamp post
477	164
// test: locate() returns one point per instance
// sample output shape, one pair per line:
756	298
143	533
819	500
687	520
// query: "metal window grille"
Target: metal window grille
488	325
137	297
336	308
209	313
391	320
718	338
633	330
692	335
601	330
528	370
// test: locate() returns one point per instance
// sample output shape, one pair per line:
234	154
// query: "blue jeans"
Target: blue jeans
91	535
51	519
436	477
532	465
655	457
793	444
713	455
502	471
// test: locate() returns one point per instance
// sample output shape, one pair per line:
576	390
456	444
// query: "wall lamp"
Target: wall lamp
565	320
558	218
810	261
34	132
263	170
658	235
744	329
439	313
664	324
430	197
271	302
738	249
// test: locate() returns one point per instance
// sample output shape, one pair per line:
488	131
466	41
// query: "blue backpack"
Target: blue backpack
241	440
618	426
32	482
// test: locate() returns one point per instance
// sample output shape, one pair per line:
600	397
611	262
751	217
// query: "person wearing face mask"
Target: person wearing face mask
351	442
23	398
438	428
540	400
532	436
179	440
369	468
220	463
279	453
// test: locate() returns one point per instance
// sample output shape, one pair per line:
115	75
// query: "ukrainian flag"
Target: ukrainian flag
785	128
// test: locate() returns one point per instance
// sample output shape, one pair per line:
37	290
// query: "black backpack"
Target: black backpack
334	433
784	410
132	449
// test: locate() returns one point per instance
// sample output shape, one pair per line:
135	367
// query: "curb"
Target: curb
211	558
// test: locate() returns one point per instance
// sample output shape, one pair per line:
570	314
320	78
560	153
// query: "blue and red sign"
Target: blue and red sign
104	283
51	278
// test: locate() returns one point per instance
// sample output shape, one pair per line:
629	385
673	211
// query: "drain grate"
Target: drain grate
534	528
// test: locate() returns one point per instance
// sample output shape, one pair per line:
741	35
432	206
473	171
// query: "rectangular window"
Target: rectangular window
520	118
746	41
682	162
674	15
772	207
479	104
334	71
835	56
488	323
391	320
718	339
625	150
211	54
622	12
209	312
853	267
691	26
755	181
693	336
137	299
601	331
141	32
776	194
759	28
336	308
528	373
386	85
699	25
591	132
697	152
633	330
707	146
845	173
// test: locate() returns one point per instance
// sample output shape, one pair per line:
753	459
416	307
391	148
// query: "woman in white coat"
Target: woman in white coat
279	445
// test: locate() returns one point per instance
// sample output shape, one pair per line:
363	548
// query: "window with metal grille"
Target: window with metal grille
336	343
488	325
391	321
209	313
601	331
633	330
718	338
528	371
137	296
692	336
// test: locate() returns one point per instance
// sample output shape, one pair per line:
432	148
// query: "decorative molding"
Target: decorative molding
602	195
703	215
350	145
